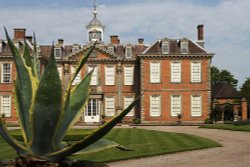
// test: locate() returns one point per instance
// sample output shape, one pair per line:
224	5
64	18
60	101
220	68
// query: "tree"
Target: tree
222	76
245	90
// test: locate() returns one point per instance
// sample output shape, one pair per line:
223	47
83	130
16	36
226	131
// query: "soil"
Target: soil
67	163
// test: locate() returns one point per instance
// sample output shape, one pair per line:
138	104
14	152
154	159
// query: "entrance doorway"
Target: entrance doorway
92	111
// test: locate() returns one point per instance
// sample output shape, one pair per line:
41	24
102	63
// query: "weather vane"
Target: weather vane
95	8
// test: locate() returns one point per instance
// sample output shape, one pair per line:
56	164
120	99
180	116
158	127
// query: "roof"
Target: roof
174	47
225	91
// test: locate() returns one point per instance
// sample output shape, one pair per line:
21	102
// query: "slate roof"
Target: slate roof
174	47
225	91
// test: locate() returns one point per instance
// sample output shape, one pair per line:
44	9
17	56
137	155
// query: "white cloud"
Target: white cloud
227	29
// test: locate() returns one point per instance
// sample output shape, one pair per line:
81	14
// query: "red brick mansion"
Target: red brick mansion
172	74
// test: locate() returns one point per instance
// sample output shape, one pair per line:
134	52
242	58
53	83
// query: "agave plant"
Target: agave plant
45	113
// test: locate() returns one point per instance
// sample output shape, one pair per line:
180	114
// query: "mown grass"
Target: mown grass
232	127
143	142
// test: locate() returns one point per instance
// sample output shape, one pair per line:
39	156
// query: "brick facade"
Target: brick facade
133	60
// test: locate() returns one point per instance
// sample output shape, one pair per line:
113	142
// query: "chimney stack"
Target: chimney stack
114	40
60	41
200	29
19	33
141	41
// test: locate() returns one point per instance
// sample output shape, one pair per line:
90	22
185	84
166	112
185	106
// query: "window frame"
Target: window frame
184	47
174	77
110	113
3	73
153	77
3	105
192	106
193	80
172	105
109	79
165	47
152	105
128	79
128	52
58	53
111	49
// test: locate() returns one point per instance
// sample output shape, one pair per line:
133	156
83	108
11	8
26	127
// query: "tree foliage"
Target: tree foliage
222	76
245	90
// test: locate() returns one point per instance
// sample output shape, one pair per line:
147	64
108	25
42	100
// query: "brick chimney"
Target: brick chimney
141	41
114	40
60	41
19	33
200	31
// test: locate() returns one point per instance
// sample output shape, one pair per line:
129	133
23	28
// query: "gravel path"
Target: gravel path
234	153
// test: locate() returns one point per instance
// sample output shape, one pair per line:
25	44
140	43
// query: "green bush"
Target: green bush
208	121
136	120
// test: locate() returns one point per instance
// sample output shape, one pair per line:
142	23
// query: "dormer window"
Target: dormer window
184	47
111	49
128	52
75	49
58	53
165	47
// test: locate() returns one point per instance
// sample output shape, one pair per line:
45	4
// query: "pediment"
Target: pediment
98	54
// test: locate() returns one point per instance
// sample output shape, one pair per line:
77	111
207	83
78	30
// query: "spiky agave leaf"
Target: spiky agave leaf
93	137
47	108
75	100
26	86
11	140
101	145
36	64
72	110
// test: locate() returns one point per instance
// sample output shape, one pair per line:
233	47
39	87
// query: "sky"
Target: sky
226	22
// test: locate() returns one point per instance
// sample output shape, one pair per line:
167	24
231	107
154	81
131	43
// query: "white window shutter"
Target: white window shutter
6	105
155	72
128	75
195	72
176	72
155	106
175	105
110	75
109	106
196	104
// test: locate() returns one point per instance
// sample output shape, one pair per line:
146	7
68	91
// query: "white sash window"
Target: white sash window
155	72
196	105
128	75
155	106
5	105
195	72
175	105
110	75
109	106
175	72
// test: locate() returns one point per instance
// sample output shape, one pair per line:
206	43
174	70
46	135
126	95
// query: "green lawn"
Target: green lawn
228	127
143	142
